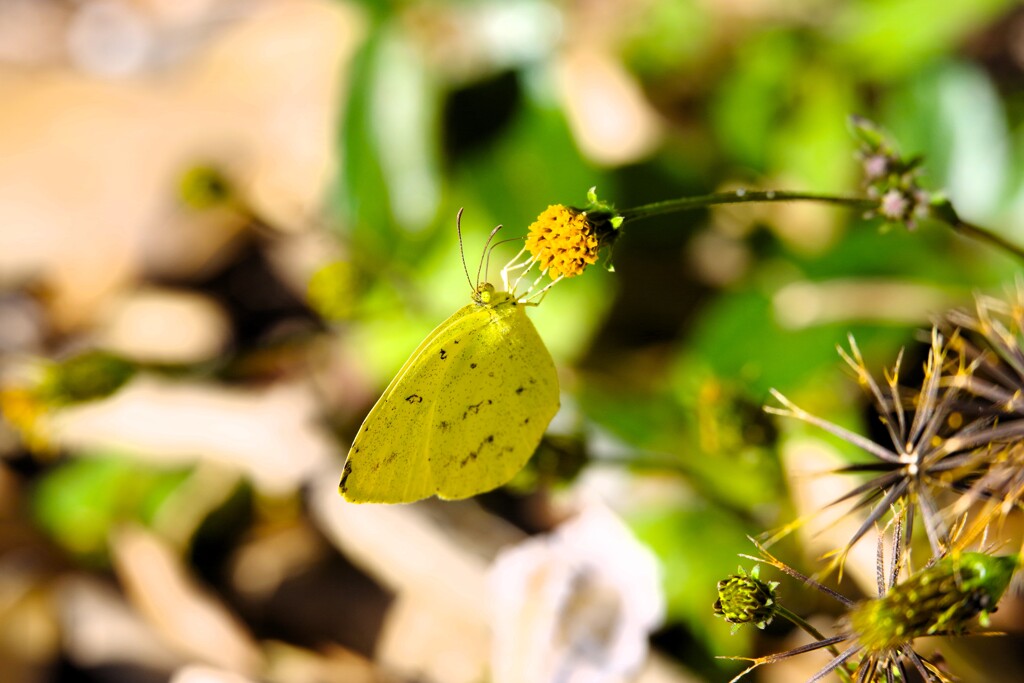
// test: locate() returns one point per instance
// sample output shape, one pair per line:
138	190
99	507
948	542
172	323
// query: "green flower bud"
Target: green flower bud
938	599
745	599
85	377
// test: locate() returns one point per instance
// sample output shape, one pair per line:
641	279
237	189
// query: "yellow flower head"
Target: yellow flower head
562	241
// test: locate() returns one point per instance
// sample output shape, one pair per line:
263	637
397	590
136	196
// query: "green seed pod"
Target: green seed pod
938	599
86	377
745	599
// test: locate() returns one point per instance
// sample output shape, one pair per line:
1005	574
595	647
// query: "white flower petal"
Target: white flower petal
576	605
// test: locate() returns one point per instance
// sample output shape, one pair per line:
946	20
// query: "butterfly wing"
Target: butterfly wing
498	400
462	416
383	465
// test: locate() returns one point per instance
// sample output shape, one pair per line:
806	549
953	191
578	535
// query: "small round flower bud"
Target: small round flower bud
745	599
893	205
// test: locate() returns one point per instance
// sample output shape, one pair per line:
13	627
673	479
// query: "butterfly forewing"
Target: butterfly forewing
384	464
462	416
486	428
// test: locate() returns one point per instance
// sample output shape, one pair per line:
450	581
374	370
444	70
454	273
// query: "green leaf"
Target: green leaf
80	501
888	40
389	184
749	100
954	117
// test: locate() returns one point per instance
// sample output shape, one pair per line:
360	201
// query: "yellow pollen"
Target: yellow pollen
562	242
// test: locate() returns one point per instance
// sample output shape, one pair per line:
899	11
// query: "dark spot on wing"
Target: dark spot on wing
490	374
344	477
472	366
444	425
520	390
414	398
526	421
473	455
444	354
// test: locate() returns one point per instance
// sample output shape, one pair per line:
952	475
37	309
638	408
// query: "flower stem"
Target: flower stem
941	211
800	622
742	197
944	212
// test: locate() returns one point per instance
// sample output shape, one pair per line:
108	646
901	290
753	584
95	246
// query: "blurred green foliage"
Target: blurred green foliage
744	100
667	358
87	376
76	505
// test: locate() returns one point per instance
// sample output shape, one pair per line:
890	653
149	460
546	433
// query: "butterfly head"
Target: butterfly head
486	294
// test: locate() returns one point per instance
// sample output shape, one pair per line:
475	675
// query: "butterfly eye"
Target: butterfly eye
484	293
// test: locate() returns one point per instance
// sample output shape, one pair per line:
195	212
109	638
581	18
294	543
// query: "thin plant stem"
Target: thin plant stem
942	211
945	213
802	623
742	197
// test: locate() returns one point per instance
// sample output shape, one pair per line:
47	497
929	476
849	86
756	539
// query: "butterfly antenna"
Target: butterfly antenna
487	252
490	250
462	250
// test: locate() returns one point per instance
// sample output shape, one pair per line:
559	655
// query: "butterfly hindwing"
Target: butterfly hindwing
499	398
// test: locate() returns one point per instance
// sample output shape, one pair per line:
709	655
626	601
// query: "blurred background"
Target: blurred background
224	225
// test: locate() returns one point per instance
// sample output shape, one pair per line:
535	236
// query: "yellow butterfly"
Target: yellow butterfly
465	412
